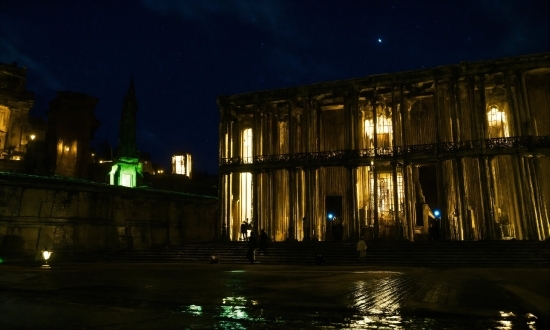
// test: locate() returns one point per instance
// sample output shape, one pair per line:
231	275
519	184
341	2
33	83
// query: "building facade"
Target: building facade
15	103
463	149
71	126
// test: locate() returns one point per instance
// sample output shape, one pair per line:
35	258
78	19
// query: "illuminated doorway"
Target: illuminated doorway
126	180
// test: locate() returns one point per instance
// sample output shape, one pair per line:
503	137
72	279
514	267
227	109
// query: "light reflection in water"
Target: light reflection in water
512	321
379	301
194	310
374	303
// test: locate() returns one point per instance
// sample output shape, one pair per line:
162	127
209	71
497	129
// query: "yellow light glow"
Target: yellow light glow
32	136
498	124
46	254
385	190
246	142
66	148
245	195
181	164
384	130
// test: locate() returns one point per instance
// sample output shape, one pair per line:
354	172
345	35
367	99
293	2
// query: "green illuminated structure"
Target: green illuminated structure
127	170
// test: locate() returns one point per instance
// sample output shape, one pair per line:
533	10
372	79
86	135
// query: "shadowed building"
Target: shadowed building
15	103
376	156
71	126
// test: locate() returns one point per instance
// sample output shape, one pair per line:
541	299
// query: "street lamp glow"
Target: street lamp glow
46	255
330	216
437	213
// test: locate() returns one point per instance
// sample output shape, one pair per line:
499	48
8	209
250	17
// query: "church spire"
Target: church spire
127	145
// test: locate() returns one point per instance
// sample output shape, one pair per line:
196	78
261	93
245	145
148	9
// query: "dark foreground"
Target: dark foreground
231	296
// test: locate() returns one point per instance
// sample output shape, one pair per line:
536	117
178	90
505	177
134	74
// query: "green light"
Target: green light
125	172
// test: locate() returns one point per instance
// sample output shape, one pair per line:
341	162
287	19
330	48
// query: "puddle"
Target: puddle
372	304
243	314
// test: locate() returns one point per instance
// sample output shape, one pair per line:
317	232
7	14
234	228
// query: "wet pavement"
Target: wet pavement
232	296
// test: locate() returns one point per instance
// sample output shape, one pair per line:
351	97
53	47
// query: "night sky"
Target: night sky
184	54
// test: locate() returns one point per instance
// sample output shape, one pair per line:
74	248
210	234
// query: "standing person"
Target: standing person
305	225
244	227
263	242
251	253
362	249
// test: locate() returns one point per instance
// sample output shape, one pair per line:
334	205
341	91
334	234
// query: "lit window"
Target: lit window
498	125
384	130
181	164
246	152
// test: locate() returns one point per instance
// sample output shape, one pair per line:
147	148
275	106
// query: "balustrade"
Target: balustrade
445	148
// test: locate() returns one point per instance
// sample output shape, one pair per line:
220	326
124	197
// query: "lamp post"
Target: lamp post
46	255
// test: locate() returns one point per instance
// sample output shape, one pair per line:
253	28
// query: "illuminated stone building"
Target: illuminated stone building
71	125
181	164
15	103
335	160
127	169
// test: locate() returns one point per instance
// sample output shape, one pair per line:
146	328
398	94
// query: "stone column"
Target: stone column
314	218
407	202
544	221
395	200
222	233
291	204
461	199
255	200
404	118
228	200
486	193
353	224
376	228
437	116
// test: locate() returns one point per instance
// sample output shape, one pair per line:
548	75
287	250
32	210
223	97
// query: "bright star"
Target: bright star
379	40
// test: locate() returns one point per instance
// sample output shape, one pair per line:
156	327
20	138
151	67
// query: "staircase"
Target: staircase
402	253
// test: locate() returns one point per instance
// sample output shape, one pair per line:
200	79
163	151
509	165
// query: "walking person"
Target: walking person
263	242
362	249
251	253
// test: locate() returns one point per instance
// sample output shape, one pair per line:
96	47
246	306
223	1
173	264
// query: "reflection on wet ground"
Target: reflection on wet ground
375	303
238	313
235	297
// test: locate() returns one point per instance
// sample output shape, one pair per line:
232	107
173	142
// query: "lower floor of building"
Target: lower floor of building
464	198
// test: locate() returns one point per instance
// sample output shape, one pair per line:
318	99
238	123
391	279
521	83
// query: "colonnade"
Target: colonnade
312	142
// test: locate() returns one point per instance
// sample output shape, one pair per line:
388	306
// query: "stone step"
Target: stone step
485	254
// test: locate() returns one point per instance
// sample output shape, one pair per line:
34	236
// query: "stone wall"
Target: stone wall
60	213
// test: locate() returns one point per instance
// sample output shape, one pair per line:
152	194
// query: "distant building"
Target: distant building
461	148
71	125
15	103
181	164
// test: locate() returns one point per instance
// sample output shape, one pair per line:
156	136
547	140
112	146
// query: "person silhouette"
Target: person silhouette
244	227
263	242
362	249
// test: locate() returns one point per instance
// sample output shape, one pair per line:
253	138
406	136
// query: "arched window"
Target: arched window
498	124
